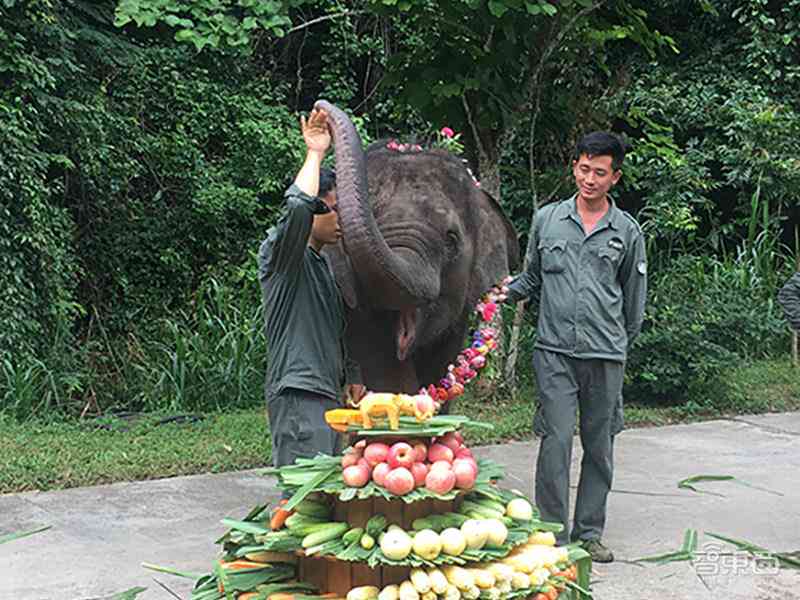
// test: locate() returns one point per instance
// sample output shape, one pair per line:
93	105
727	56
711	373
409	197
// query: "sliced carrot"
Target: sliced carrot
281	596
247	596
279	516
236	565
572	573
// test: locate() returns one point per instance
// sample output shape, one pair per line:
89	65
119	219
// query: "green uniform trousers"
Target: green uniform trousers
298	427
566	384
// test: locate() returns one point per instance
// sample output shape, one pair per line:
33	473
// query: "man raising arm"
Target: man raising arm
303	310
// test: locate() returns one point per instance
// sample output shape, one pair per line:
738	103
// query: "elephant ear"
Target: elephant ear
343	272
497	247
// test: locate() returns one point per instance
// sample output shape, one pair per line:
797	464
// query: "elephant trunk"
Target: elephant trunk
391	281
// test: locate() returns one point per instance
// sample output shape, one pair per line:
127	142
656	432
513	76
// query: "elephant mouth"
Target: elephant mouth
406	332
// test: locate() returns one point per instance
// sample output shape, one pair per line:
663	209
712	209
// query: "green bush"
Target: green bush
703	316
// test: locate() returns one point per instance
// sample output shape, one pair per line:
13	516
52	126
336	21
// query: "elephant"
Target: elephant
421	243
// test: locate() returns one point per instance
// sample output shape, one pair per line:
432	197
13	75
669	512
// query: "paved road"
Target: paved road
101	535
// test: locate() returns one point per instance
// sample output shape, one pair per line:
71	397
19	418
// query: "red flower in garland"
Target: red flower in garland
489	309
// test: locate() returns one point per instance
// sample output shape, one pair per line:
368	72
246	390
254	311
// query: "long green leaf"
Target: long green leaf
689	481
305	490
782	557
689	541
15	536
686	553
128	594
171	571
686	484
245	526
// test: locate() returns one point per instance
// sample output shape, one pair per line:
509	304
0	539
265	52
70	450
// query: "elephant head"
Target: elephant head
421	243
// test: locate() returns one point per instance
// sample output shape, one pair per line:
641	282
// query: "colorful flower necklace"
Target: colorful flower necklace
475	356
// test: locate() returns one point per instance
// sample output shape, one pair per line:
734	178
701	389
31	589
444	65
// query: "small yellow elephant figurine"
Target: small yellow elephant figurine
392	406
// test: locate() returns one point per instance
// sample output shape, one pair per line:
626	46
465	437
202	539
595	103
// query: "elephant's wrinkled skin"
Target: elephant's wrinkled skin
421	243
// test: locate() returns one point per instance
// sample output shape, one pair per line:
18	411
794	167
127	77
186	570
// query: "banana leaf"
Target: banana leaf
433	427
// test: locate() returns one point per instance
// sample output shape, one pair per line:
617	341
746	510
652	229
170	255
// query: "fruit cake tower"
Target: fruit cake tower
405	513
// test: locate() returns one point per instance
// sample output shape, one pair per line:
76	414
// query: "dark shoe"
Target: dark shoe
598	551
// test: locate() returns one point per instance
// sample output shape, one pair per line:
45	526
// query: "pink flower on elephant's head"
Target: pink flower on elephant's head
447	132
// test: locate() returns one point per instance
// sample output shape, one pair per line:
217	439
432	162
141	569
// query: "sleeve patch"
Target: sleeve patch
642	268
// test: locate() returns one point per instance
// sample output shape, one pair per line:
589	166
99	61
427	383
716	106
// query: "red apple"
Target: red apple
469	460
400	481
440	481
364	463
360	445
421	451
375	453
439	452
419	471
379	473
463	452
440	464
459	437
450	440
349	459
465	474
356	475
401	454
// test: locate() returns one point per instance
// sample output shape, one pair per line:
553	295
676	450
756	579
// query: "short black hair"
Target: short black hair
602	143
327	181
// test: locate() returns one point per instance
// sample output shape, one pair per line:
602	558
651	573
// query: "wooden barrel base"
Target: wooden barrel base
332	575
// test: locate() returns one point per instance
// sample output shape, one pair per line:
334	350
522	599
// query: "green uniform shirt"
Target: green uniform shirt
591	288
303	308
789	298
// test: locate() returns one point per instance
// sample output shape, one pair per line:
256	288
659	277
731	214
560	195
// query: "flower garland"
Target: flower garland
446	139
475	356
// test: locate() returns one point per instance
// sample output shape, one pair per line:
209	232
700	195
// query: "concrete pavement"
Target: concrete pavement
101	535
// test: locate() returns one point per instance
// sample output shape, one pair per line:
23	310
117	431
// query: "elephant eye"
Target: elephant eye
453	242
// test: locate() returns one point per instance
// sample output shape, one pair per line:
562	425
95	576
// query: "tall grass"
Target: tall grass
31	385
209	356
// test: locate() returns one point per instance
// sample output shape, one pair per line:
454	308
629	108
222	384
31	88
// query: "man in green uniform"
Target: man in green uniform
303	310
789	299
588	271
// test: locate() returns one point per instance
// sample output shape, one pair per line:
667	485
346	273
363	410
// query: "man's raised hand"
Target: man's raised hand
315	131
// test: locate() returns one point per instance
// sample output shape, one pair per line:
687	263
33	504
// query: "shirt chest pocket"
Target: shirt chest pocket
553	255
609	260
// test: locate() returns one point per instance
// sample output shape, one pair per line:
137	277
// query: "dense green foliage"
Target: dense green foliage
144	147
